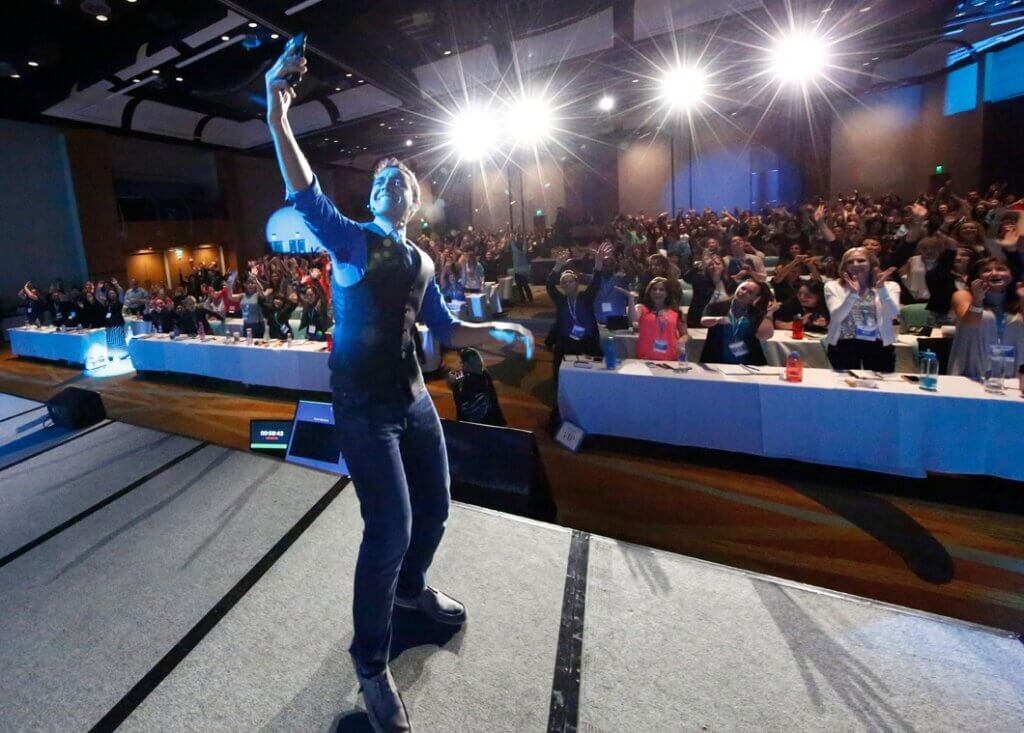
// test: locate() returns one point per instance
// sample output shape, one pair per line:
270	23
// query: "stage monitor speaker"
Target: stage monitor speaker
497	468
76	408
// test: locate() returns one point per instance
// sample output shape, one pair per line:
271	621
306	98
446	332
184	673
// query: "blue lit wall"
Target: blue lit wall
1004	73
961	90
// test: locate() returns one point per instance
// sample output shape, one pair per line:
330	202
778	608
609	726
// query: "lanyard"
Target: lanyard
1000	324
571	305
735	325
662	319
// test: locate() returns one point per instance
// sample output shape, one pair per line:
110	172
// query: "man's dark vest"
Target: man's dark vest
374	350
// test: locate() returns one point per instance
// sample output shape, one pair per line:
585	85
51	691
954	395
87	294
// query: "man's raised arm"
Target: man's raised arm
295	169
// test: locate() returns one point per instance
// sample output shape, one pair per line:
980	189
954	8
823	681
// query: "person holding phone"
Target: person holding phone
386	423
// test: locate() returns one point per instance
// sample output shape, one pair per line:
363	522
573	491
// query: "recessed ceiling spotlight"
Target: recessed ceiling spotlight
225	38
15	76
408	143
254	25
381	124
156	71
634	81
348	75
102	18
865	9
136	81
337	89
361	81
178	78
33	64
447	53
274	36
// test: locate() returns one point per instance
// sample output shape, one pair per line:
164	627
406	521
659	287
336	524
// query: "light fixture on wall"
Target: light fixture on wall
179	253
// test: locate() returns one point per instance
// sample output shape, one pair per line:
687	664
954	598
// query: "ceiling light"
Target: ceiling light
102	18
865	9
382	124
136	81
33	64
178	78
530	120
447	53
361	81
156	71
684	87
337	89
799	57
348	75
225	38
408	143
254	25
471	134
633	81
15	76
274	36
606	103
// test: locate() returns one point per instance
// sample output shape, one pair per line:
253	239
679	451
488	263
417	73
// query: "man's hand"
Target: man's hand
510	333
280	93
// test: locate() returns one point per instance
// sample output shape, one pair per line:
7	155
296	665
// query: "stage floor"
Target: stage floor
195	588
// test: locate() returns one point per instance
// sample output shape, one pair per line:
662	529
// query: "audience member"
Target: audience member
862	307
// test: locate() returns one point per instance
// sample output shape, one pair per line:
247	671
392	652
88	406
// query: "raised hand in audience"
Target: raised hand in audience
881	276
978	289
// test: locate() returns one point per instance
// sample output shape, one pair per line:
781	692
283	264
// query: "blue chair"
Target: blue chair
771	261
915	315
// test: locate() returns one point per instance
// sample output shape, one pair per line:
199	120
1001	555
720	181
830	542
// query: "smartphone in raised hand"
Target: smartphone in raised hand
296	48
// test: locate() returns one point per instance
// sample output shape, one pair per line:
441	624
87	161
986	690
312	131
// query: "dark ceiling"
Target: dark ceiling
72	68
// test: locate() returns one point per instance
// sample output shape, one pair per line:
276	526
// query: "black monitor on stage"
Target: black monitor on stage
313	443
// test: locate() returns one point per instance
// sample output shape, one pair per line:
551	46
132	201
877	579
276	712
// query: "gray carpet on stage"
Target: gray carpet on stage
42	492
279	662
672	643
11	405
85	615
28	434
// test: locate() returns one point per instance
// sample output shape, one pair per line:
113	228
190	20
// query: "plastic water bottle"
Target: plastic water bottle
794	367
682	354
248	336
1001	360
798	328
288	341
202	331
929	371
611	355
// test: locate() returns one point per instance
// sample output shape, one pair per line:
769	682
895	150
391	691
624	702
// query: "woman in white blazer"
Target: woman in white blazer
862	306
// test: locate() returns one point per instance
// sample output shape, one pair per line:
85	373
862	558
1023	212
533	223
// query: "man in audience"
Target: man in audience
135	298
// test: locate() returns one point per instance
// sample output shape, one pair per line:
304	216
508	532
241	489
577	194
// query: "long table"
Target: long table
776	349
301	366
897	428
84	346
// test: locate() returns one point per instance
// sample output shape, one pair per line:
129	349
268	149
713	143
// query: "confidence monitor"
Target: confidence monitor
313	443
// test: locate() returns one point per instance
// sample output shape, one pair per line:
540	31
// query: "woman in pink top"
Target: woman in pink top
661	325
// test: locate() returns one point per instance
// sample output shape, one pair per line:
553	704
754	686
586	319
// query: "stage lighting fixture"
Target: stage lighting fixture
529	120
684	87
472	134
606	103
798	57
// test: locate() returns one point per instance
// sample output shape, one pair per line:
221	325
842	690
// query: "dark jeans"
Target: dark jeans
396	457
858	354
523	288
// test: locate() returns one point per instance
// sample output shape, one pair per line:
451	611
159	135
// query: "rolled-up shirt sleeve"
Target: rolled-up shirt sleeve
338	234
435	314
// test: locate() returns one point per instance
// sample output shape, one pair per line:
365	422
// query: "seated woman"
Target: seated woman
710	285
862	306
660	323
947	277
808	305
738	325
987	314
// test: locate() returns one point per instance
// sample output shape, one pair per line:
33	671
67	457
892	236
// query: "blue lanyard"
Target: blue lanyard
735	324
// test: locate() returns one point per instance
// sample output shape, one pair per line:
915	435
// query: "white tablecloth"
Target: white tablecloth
506	288
87	347
303	366
897	428
776	349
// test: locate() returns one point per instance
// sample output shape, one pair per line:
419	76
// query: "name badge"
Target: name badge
661	346
866	333
738	349
109	315
606	307
73	314
577	332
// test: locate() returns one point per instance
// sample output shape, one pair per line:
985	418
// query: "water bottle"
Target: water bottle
611	356
682	354
798	328
794	368
288	341
929	371
202	332
1001	360
248	336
